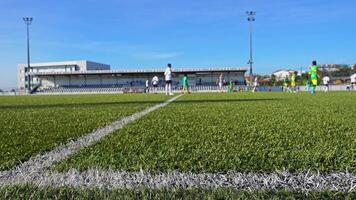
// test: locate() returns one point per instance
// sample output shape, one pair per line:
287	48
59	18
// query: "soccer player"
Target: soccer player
286	84
314	76
154	82
307	85
353	82
255	84
220	82
147	87
231	86
185	82
168	78
326	81
292	82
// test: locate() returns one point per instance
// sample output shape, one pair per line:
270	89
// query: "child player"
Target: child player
292	82
185	82
286	84
314	76
231	86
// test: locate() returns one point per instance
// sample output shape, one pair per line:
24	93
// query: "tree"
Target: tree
273	80
342	72
354	68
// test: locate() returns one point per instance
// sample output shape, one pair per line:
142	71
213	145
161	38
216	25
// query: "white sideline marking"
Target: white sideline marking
298	182
39	164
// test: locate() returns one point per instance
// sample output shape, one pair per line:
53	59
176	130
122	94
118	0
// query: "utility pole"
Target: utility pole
251	18
28	21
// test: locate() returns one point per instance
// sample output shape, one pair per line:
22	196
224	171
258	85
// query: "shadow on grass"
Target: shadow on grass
224	100
76	105
100	104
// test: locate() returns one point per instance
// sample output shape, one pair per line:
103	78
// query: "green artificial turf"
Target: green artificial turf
258	132
32	124
31	192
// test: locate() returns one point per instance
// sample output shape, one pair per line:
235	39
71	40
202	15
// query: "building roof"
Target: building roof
143	71
60	63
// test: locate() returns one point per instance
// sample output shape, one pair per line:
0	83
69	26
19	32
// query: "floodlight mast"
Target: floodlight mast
28	21
251	18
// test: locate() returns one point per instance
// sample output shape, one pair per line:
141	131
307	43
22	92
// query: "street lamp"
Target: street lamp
28	21
251	18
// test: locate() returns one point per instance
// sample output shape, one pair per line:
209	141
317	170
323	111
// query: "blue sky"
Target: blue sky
129	34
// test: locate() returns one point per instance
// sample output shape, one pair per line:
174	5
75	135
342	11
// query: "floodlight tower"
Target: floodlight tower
28	21
251	18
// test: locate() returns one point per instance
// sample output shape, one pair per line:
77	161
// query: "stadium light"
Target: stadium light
28	21
251	18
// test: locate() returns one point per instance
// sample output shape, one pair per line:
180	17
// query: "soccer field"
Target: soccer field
33	124
172	149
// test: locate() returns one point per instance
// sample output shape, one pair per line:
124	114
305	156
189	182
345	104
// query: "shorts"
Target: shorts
185	86
155	85
168	81
314	82
326	85
220	84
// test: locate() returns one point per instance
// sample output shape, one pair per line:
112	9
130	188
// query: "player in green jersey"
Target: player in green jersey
185	82
286	84
313	76
231	86
292	82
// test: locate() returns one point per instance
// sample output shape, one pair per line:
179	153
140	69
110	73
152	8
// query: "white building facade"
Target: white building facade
282	74
54	67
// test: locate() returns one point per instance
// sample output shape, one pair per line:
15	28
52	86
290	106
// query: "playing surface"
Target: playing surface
258	132
33	124
209	137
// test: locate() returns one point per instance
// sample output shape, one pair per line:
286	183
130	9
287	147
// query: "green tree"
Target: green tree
273	80
354	68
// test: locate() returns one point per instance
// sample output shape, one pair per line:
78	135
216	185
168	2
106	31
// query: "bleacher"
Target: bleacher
82	89
123	88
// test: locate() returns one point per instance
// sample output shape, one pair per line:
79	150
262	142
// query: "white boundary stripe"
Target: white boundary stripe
299	182
41	163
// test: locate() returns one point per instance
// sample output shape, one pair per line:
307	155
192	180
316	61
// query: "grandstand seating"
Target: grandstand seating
121	88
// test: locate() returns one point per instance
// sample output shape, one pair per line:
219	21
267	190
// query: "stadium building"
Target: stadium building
87	76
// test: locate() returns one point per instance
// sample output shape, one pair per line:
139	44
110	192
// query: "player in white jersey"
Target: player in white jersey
168	78
154	82
147	90
220	82
255	84
353	82
326	81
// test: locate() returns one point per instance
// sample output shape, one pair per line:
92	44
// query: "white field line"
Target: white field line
37	165
298	182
